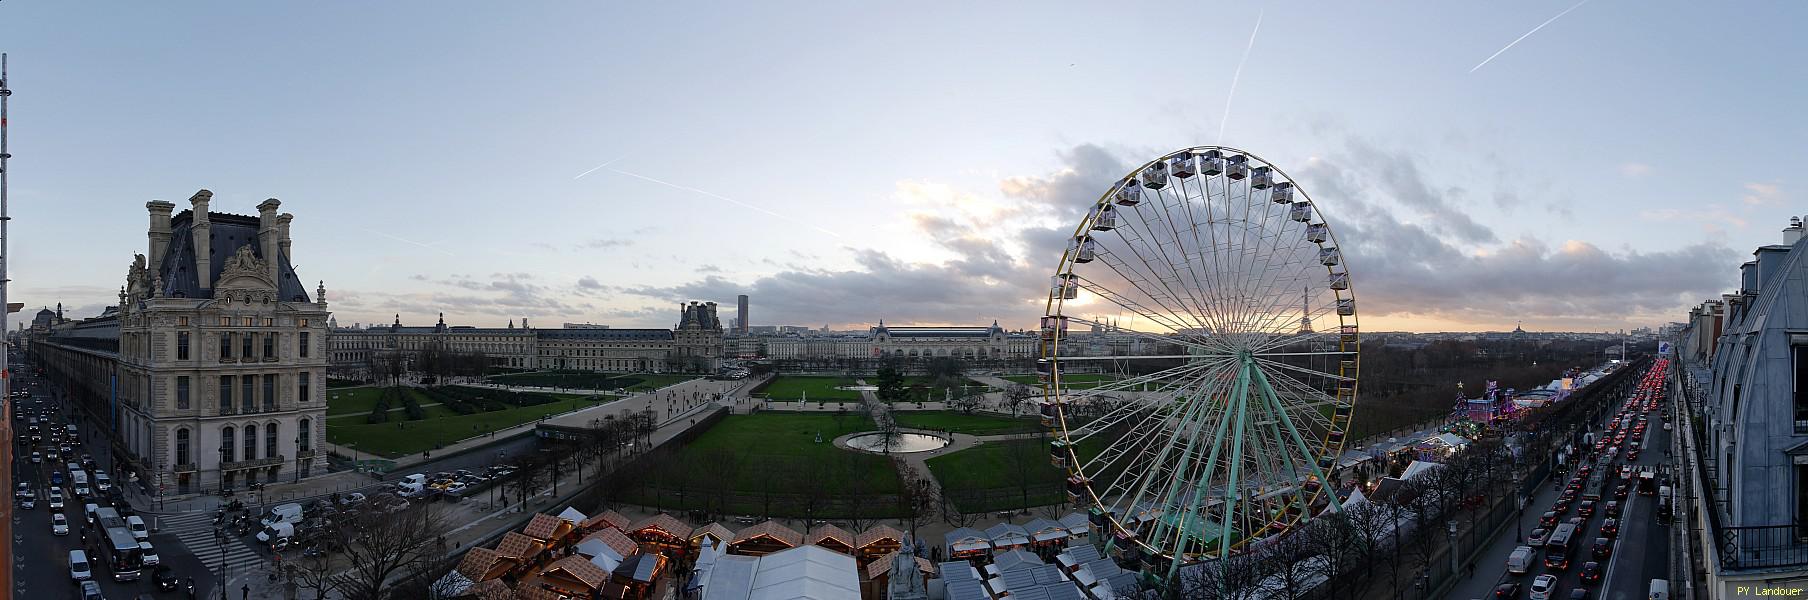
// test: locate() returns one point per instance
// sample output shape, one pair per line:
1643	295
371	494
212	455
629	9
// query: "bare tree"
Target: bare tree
426	579
1016	395
1293	562
918	498
314	573
1234	578
379	546
1024	460
967	401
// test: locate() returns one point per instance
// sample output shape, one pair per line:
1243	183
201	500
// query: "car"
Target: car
1560	507
1620	491
165	579
1591	572
1578	594
1548	520
1507	590
1543	586
149	553
91	591
79	570
82	491
1538	536
1625	471
1613	508
1633	455
1577	521
135	523
59	524
1610	527
36	457
28	502
56	499
1569	495
1586	508
1603	549
456	489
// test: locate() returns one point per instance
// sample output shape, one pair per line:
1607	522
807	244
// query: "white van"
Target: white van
79	570
282	513
412	485
1660	589
1521	560
102	482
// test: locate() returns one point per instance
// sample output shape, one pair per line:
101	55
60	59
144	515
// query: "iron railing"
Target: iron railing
1743	547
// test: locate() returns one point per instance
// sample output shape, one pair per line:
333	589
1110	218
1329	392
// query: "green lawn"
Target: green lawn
793	387
442	426
590	380
356	400
776	453
970	424
999	468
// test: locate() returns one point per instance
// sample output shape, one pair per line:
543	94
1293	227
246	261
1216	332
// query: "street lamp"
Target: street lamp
1520	520
1453	559
298	458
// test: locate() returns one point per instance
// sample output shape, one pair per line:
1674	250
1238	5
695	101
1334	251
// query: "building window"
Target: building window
270	392
247	389
225	321
245	350
1800	354
226	449
301	322
301	346
269	322
182	447
248	321
270	440
182	392
302	383
225	346
250	442
181	345
225	394
306	437
181	321
270	345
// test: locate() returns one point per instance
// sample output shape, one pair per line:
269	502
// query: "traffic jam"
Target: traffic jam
1571	553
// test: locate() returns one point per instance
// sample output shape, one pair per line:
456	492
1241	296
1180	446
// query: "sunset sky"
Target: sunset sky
916	162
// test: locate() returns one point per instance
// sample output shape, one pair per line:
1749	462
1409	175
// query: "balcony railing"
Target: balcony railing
268	461
304	454
1747	547
186	468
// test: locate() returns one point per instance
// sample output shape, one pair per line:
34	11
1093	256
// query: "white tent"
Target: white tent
804	572
1419	467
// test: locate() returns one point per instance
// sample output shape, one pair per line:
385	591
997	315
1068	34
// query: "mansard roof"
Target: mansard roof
227	233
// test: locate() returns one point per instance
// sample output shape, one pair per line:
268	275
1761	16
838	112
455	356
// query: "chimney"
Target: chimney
1793	233
266	238
160	231
202	229
282	233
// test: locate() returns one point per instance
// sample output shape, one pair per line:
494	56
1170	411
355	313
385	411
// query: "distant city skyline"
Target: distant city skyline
601	163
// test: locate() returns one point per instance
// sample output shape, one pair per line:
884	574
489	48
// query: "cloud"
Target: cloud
1710	218
1760	194
589	283
605	243
1635	169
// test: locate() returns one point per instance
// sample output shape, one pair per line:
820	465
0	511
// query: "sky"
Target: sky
922	162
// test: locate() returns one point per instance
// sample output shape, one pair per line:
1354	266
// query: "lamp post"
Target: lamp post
298	458
1453	559
1520	520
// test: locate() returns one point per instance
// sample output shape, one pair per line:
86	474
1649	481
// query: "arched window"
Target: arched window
307	436
182	457
270	441
250	442
226	447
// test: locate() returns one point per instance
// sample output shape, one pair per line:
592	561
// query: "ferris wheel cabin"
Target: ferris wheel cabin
1282	193
1317	233
1328	256
1236	166
1301	211
1129	193
1054	327
1211	163
1181	164
1261	178
1346	307
1155	176
1083	249
1340	281
1066	286
1104	218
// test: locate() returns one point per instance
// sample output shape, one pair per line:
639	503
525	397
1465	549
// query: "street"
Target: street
1640	550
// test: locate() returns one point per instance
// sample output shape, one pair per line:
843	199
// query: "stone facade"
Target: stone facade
695	346
212	368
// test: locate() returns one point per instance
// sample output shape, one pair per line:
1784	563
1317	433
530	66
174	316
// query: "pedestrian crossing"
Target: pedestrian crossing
196	531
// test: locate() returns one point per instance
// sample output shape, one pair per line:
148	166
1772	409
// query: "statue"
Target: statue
906	582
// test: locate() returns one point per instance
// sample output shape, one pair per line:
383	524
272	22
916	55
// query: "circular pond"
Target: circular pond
858	388
903	442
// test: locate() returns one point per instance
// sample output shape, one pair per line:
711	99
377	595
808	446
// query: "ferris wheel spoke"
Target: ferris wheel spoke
1147	402
1164	319
1157	339
1307	450
1204	283
1163	269
1263	317
1211	306
1179	430
1297	338
1299	369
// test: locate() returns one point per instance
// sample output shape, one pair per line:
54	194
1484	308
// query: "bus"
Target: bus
1557	547
125	558
1647	483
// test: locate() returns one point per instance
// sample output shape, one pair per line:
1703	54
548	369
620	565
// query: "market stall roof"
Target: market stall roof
1008	534
828	532
1043	530
804	572
773	530
714	531
608	542
517	546
576	569
546	527
1419	467
883	565
481	564
643	568
572	514
1076	523
1448	439
967	539
661	524
876	534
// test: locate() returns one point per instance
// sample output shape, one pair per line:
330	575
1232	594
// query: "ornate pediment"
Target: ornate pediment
245	277
140	283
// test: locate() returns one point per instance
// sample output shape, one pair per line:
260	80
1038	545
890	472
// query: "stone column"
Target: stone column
159	232
267	239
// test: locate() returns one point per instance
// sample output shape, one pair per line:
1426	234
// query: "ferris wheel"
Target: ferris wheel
1243	331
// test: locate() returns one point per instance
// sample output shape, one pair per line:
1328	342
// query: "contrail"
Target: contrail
593	169
724	199
1239	74
1527	35
409	241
